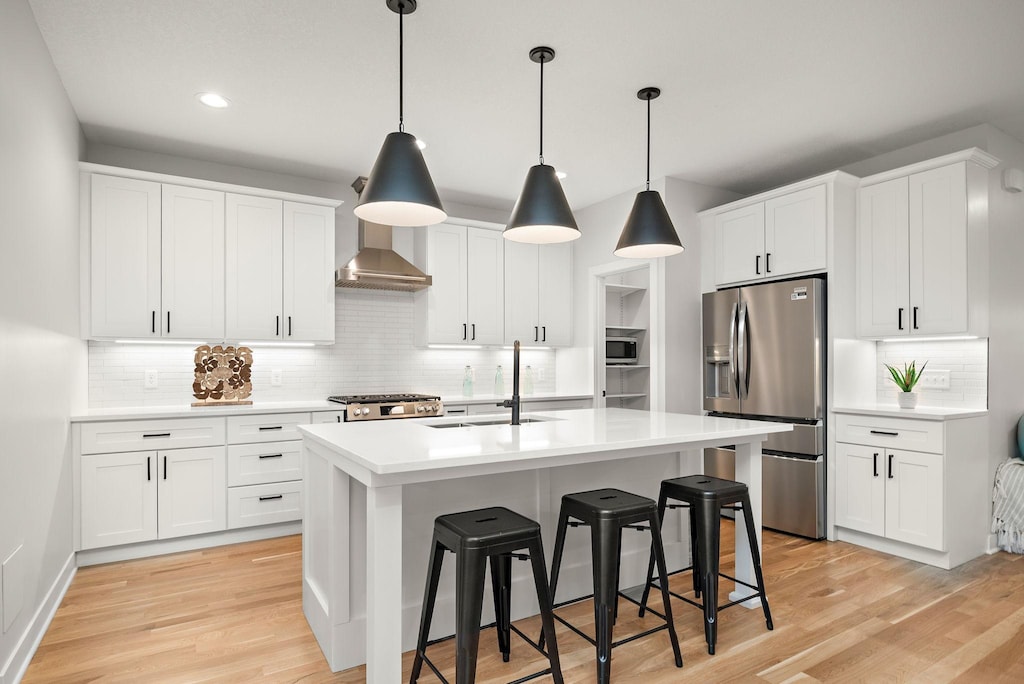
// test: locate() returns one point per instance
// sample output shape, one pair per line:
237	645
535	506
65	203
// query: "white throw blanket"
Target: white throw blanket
1008	505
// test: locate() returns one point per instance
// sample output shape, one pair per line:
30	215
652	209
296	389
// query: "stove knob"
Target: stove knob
421	409
366	411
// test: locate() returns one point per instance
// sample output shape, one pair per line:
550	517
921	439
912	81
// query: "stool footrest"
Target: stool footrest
700	604
513	628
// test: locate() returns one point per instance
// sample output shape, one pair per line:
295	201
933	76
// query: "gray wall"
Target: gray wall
42	361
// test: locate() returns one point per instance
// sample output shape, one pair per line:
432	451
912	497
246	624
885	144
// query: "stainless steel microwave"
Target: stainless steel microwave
620	350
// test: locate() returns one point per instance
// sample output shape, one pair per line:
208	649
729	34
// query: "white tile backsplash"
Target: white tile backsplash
966	360
373	352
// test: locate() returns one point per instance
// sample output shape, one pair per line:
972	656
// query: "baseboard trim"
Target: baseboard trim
115	554
14	669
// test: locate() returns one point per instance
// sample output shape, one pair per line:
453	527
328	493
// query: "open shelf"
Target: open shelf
628	395
622	331
627	366
624	289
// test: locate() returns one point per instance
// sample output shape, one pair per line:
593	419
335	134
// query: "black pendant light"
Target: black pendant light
649	231
399	191
542	214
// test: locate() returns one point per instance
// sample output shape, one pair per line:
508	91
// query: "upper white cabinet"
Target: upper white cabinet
465	304
192	263
538	294
207	261
777	234
279	268
921	248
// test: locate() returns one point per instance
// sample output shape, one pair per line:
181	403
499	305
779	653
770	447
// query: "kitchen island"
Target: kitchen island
374	489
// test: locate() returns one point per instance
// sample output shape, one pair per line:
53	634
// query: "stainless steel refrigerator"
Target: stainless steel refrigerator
764	359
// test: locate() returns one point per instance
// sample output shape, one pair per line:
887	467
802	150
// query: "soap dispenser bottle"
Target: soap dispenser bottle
499	382
467	382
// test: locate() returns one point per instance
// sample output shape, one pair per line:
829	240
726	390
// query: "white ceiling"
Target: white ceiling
755	93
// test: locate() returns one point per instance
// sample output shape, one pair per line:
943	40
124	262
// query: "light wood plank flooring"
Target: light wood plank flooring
842	614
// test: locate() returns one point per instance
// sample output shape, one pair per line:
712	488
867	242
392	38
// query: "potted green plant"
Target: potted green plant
906	379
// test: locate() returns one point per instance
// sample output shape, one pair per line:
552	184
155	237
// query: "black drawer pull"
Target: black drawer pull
263	456
890	465
883	432
149	472
272	498
155	434
165	467
874	464
272	427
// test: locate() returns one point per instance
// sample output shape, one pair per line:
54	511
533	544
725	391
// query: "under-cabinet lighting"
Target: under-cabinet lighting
455	346
277	344
526	348
191	343
930	339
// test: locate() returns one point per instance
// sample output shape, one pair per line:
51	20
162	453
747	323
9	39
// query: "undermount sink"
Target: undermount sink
491	421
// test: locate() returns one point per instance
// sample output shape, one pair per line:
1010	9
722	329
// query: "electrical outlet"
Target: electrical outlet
152	379
275	377
934	379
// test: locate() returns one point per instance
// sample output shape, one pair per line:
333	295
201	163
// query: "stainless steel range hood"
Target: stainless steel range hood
377	266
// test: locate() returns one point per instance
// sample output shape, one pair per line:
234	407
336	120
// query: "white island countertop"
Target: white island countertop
382	448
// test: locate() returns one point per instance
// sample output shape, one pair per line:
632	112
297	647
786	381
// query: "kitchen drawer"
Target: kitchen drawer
328	417
890	433
149	435
281	427
250	464
264	504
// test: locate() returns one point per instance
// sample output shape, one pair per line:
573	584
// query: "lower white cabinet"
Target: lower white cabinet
264	504
913	487
264	469
140	496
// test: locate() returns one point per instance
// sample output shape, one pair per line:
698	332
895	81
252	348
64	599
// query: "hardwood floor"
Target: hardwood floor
842	614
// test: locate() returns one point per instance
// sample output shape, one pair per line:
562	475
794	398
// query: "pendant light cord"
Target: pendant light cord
542	110
648	143
401	69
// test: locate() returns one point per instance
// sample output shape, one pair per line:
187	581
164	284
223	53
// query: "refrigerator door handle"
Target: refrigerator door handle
734	381
743	345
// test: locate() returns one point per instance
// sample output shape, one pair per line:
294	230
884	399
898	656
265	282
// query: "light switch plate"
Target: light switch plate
152	379
934	379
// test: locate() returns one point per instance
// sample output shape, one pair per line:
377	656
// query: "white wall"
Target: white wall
42	361
601	225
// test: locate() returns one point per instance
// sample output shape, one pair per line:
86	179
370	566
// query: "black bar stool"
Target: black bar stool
607	512
705	496
475	537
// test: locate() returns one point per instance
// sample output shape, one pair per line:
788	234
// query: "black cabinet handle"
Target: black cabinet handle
465	331
156	434
152	323
536	334
271	498
168	321
874	464
266	428
544	333
289	326
883	432
768	262
165	467
757	264
263	456
474	331
899	318
339	418
149	469
277	325
890	466
915	318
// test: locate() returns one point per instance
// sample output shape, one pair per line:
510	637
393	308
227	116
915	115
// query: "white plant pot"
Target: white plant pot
906	400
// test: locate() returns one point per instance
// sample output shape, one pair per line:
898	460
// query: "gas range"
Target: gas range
384	406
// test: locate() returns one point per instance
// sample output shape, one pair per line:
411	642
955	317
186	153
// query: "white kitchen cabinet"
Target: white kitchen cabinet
265	468
279	270
465	304
140	496
922	247
912	487
192	263
125	254
184	258
538	294
782	235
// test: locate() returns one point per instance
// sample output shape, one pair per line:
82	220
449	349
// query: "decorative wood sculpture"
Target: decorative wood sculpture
223	375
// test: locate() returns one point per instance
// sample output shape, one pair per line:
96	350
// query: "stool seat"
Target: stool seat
606	504
484	527
704	486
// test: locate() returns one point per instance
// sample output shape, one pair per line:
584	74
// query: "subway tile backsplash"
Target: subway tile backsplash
966	360
373	352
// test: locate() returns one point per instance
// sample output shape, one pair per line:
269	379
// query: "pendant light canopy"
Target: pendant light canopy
648	231
542	214
399	191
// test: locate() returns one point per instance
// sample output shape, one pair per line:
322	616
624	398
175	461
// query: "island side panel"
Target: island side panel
384	584
748	471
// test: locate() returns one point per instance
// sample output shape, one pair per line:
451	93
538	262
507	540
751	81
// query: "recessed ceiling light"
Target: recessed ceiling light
561	175
213	100
420	144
